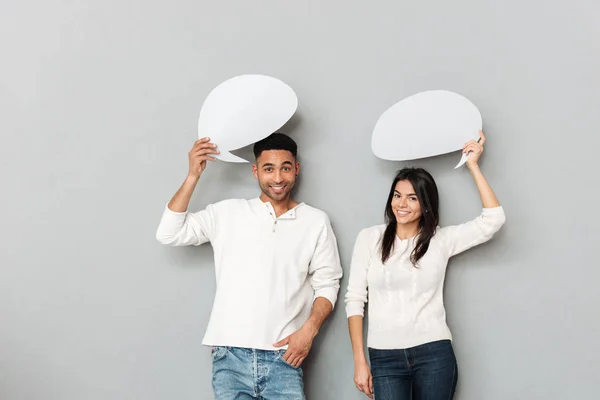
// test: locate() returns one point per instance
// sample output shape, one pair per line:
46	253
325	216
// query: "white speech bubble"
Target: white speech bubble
243	110
426	124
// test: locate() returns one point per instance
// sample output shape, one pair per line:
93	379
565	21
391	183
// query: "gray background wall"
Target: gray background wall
99	103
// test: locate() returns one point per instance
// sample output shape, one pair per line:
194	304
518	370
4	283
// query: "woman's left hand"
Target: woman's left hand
475	149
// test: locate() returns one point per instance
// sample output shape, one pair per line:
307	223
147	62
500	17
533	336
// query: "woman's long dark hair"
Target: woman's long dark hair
427	193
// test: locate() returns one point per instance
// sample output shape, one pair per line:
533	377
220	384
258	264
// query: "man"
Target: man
277	271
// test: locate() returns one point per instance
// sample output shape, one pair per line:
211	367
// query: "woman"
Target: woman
401	266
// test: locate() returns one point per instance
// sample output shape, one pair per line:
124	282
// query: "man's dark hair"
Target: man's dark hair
276	141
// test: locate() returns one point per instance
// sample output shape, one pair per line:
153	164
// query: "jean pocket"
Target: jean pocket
218	352
376	354
280	354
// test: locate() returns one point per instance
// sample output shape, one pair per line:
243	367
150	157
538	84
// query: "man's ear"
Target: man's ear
255	170
297	168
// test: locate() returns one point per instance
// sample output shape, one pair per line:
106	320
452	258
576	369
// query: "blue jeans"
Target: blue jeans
428	371
243	374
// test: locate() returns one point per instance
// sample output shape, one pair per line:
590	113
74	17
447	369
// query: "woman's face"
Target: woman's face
405	203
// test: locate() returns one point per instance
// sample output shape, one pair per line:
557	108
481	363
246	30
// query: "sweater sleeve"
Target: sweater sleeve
185	229
325	267
458	238
356	296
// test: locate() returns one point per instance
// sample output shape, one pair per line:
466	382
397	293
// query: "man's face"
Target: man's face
276	171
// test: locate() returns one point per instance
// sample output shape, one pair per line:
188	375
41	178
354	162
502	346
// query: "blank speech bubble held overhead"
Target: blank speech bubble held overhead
424	125
243	110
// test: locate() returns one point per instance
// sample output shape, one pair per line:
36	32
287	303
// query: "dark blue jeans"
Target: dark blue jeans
427	372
